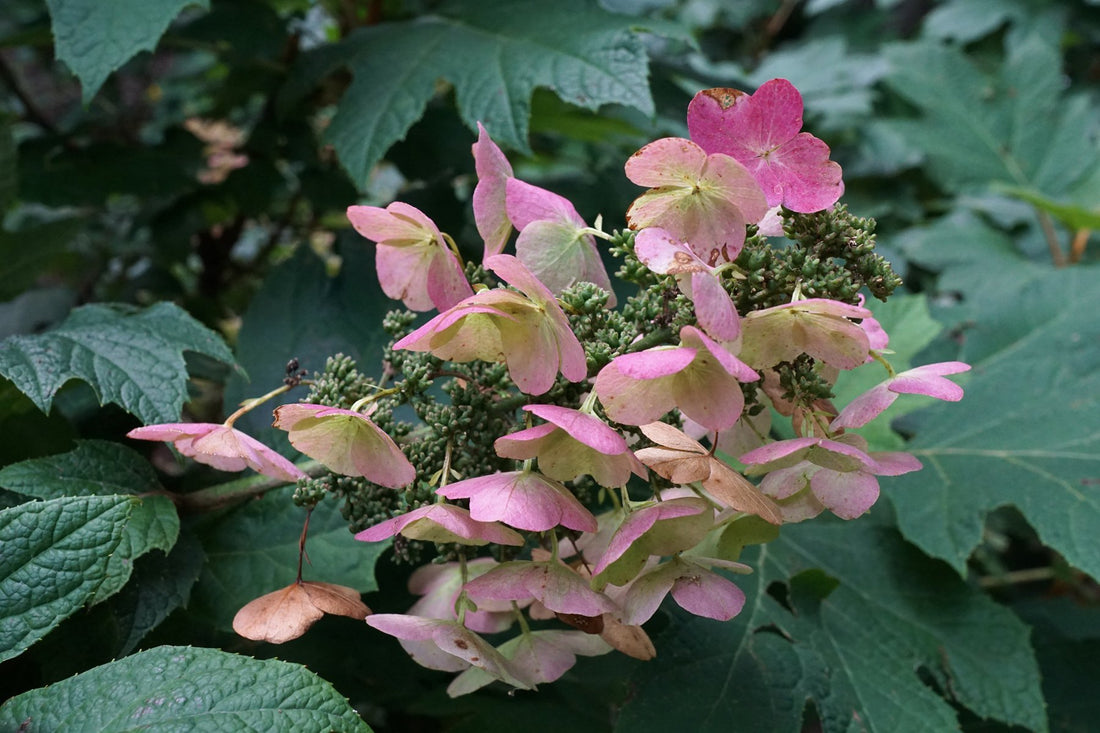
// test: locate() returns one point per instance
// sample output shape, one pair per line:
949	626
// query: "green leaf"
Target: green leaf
56	556
253	550
1013	128
495	55
1027	433
183	688
95	38
94	468
130	357
160	585
857	651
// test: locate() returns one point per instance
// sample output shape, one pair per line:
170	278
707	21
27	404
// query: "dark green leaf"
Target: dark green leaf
1013	128
94	468
1027	433
57	554
129	357
253	550
495	55
182	688
160	585
95	38
856	652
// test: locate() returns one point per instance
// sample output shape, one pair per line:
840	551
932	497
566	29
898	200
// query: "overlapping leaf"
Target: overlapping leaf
178	688
133	358
1026	434
495	55
854	652
95	38
1015	128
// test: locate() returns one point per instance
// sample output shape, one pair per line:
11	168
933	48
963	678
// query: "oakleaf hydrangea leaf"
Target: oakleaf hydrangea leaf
495	55
93	468
95	38
130	357
853	638
1027	433
177	688
57	555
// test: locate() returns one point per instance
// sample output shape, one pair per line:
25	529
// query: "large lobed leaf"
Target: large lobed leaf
495	55
1014	128
857	653
1027	433
133	358
95	38
183	688
57	556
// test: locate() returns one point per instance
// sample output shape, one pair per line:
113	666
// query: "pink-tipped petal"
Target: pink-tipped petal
490	214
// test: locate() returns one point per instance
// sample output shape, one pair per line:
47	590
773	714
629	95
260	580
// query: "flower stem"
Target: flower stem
251	404
220	496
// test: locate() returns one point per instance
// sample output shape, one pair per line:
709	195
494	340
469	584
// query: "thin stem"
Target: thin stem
1016	577
251	404
358	404
1056	255
302	543
232	492
1077	247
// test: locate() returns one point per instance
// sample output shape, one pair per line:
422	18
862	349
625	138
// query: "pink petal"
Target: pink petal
440	585
559	256
493	172
581	426
169	432
802	171
528	203
714	308
894	463
778	450
553	585
346	442
864	408
928	380
707	594
654	363
661	252
670	161
847	495
522	499
224	448
641	521
452	524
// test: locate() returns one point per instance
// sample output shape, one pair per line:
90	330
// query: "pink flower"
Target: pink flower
536	657
926	380
714	309
661	528
839	473
553	243
493	173
439	587
446	645
761	131
685	461
442	523
414	264
522	499
222	447
699	377
696	590
555	586
346	442
572	444
704	200
816	326
529	332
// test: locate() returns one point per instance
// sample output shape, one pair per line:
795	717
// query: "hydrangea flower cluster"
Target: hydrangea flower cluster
584	459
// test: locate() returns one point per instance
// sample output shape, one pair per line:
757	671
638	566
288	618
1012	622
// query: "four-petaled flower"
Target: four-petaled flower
703	200
926	380
528	331
762	132
220	446
414	263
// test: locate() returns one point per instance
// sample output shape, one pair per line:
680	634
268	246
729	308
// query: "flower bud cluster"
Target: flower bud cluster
556	459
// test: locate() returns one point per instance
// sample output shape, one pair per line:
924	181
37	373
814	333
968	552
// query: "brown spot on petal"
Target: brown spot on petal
683	258
724	96
587	624
461	644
